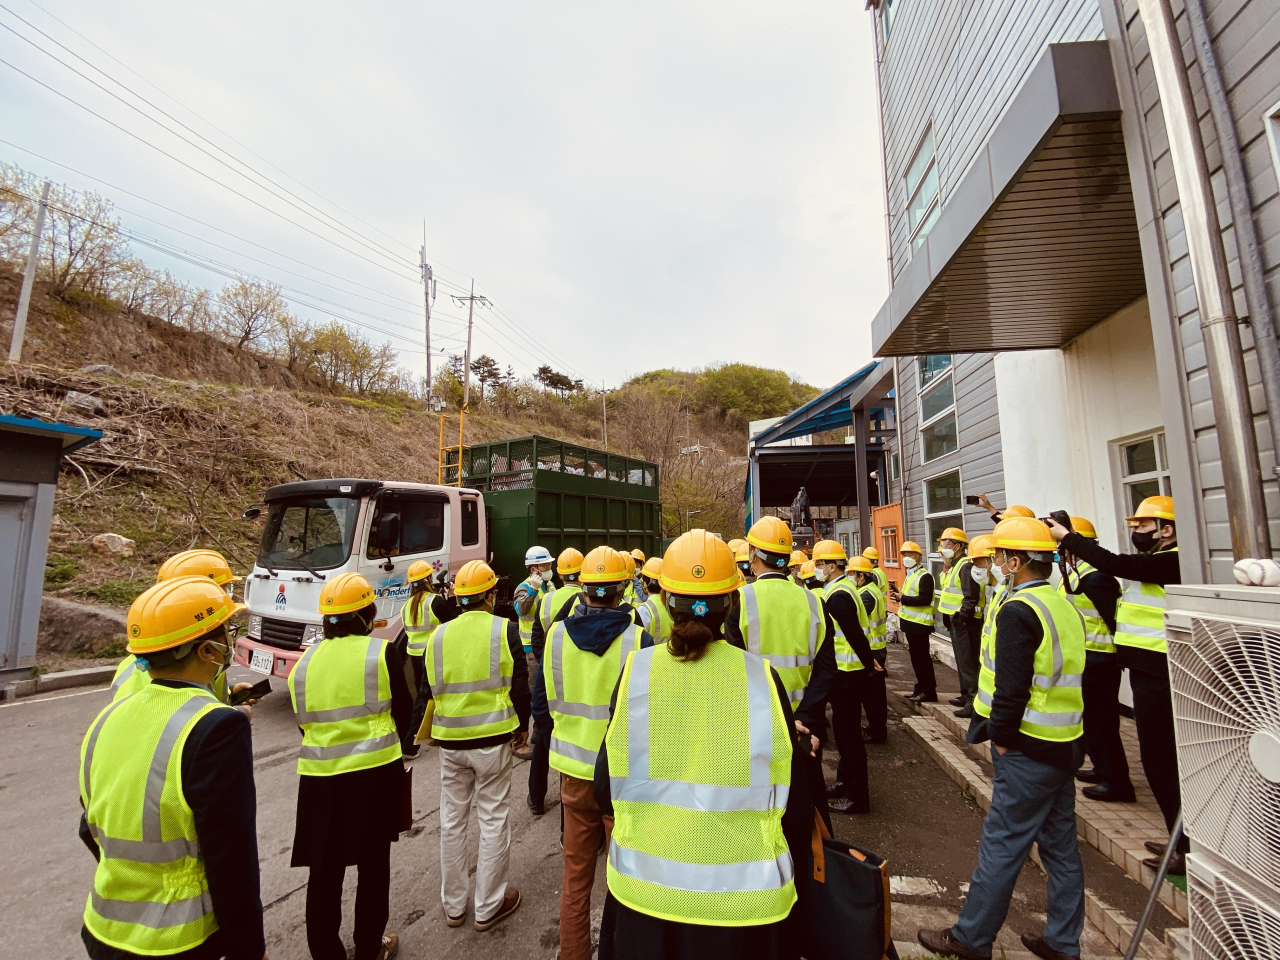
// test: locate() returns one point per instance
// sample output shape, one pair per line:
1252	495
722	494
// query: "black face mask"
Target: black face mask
1144	541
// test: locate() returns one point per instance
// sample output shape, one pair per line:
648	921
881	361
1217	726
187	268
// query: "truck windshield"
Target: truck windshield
313	532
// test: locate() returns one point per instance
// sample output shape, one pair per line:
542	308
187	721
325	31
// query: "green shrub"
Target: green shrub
58	570
119	593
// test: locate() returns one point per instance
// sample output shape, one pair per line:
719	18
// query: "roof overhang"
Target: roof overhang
1040	239
828	473
834	407
71	438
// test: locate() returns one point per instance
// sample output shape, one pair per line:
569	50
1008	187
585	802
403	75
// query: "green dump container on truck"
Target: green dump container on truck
543	491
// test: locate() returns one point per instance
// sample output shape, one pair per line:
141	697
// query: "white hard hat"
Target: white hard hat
537	555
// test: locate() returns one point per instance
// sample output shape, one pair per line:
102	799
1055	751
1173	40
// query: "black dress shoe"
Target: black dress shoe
1177	866
956	701
964	713
1089	776
836	789
868	738
943	942
845	805
1155	846
1041	949
537	808
1107	793
923	698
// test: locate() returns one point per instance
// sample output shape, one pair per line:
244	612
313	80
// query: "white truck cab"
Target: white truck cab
315	530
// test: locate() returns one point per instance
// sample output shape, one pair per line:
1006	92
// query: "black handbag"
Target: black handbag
843	910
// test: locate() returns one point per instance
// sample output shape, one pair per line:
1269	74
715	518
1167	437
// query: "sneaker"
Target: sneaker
390	947
836	789
455	921
510	904
845	805
523	753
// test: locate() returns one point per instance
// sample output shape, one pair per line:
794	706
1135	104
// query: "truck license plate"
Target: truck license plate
262	661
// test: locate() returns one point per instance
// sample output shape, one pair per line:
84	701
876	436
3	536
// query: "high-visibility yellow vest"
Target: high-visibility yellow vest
526	620
552	602
952	594
783	622
882	581
910	588
341	693
469	667
419	629
659	618
877	619
1140	616
1096	635
846	659
579	686
1056	708
699	772
128	679
150	894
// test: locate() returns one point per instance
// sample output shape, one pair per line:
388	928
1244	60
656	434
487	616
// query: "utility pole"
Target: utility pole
28	280
604	413
428	294
466	373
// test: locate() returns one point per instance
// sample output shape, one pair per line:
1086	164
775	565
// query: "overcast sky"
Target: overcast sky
636	185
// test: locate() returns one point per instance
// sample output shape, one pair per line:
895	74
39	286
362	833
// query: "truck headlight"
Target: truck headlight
312	633
255	626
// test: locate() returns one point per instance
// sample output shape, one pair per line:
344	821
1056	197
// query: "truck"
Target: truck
498	499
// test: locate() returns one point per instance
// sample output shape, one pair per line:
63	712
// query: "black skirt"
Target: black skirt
348	817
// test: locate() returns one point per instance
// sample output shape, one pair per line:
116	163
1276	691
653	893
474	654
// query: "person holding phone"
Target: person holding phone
422	613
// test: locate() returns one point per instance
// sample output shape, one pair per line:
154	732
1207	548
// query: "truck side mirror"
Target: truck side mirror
387	536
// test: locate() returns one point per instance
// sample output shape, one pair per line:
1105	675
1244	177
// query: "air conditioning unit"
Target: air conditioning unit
1231	919
1224	665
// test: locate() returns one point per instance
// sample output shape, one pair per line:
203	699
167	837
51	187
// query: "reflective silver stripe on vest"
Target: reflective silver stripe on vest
140	851
151	832
1059	679
574	752
699	796
93	742
1052	719
372	706
125	674
703	877
474	720
494	681
152	914
339	750
1133	594
569	708
751	606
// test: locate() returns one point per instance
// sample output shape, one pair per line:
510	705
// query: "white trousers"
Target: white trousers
482	776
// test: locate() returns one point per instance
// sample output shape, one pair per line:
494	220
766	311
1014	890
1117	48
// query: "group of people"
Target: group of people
683	702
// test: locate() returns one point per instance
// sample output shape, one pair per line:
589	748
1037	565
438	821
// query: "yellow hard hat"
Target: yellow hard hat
980	546
699	564
1023	533
1083	527
345	593
419	570
628	560
197	563
806	570
652	568
828	550
1153	508
797	557
743	553
771	535
1017	510
638	554
871	553
605	565
177	611
569	561
954	533
910	546
735	543
476	577
742	578
859	565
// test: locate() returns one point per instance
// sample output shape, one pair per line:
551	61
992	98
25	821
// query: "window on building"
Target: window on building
895	469
1273	131
943	506
889	10
939	432
888	546
1144	470
922	192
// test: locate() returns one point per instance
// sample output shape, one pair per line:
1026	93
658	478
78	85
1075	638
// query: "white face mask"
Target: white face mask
820	573
909	562
947	552
981	575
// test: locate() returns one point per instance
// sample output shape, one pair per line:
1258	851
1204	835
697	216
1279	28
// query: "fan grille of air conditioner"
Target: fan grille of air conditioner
1226	688
1228	920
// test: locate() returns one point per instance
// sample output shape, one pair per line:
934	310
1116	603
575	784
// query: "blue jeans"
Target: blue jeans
1031	802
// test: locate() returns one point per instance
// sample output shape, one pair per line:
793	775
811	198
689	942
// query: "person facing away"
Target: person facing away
699	865
353	707
654	616
580	668
477	674
423	612
166	782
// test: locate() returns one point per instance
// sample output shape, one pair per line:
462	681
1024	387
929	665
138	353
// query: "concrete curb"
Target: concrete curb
47	683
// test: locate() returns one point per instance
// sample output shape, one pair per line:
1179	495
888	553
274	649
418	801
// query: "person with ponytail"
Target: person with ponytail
423	612
699	865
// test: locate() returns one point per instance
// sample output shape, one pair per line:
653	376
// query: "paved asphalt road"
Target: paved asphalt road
920	822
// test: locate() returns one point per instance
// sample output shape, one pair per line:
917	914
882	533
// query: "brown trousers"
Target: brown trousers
586	832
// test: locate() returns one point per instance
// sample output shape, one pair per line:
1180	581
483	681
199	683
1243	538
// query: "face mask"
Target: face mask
947	552
1143	541
820	574
909	562
981	575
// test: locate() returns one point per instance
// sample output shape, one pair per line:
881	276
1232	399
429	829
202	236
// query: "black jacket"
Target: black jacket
842	606
1103	591
1160	568
924	597
972	594
217	782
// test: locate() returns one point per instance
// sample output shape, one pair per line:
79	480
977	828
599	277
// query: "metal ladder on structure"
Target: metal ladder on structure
442	468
